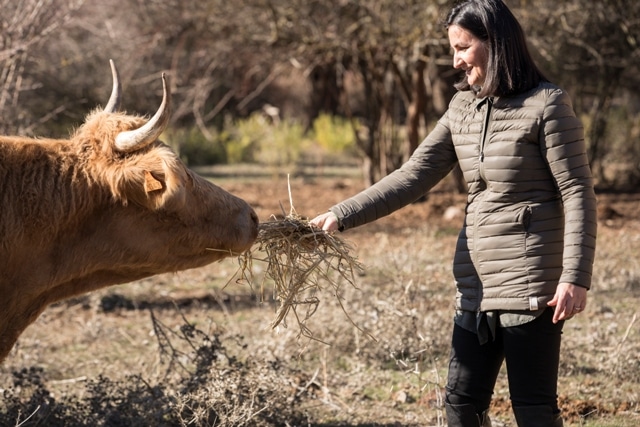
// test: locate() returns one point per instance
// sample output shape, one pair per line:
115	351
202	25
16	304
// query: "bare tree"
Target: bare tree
23	25
384	63
387	45
593	49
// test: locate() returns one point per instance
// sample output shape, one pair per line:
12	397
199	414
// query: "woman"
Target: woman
524	256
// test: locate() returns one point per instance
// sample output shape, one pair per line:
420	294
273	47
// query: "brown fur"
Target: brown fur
77	216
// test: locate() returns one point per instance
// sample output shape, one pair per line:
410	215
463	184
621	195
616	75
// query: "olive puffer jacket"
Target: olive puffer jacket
530	219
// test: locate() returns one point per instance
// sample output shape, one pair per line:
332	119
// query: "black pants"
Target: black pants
531	352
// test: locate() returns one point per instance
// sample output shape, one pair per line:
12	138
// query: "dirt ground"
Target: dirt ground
443	208
106	335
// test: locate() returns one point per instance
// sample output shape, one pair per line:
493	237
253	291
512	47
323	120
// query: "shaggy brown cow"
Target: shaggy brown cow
110	205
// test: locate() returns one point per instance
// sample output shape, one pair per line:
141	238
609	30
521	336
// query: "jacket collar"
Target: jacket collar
481	101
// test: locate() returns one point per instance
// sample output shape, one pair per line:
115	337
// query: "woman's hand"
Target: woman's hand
569	300
327	221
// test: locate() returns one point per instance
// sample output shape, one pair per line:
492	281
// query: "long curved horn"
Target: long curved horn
116	92
132	140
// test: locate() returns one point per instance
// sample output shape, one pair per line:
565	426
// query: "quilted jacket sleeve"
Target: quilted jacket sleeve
564	149
432	161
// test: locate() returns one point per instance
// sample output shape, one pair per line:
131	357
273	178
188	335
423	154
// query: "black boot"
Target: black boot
537	416
466	416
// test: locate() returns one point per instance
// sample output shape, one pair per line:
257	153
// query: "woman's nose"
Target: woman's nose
457	62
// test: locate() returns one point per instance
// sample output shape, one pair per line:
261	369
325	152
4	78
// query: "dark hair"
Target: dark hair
510	67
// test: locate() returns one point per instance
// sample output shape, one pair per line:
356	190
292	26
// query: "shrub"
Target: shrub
205	385
273	143
194	147
334	134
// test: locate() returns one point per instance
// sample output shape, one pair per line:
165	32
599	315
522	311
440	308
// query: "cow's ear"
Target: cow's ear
151	183
151	188
154	180
158	188
142	186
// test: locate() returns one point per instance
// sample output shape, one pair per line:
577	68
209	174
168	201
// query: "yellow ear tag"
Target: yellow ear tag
150	183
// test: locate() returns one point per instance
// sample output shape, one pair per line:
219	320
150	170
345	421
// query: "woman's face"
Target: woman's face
469	54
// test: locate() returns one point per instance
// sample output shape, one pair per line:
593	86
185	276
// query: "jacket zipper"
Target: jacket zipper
483	138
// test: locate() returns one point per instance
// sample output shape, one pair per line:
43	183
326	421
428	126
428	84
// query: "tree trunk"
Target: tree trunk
416	107
599	113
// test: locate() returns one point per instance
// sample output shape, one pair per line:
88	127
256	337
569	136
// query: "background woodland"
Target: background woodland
381	67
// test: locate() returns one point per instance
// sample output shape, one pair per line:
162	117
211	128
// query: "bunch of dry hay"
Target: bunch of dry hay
302	260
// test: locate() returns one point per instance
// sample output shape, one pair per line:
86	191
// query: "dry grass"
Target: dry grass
302	262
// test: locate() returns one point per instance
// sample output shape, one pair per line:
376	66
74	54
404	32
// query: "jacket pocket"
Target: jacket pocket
501	245
525	217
